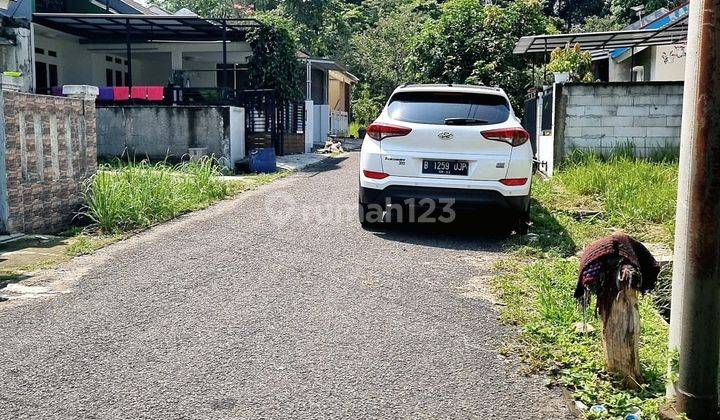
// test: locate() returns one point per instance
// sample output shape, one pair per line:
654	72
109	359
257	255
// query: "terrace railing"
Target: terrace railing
266	115
265	112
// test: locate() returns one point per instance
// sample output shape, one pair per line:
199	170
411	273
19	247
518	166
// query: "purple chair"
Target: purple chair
56	91
106	94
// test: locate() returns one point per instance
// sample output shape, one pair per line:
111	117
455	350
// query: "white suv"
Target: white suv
447	143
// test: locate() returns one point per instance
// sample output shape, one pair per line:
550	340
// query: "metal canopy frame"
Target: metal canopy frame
114	28
672	33
135	29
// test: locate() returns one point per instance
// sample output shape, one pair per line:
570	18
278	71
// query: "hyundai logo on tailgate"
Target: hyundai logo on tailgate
445	135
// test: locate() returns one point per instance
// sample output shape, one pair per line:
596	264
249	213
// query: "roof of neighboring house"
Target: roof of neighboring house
660	20
345	77
669	29
118	6
114	28
327	64
140	8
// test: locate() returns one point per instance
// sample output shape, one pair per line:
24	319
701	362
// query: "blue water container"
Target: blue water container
262	160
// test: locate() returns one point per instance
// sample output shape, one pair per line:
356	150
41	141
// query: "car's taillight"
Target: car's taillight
375	175
379	131
511	136
514	182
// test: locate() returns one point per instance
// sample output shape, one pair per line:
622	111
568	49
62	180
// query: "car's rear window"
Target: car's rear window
439	107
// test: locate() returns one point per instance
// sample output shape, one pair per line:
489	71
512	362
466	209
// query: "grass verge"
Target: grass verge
588	198
127	197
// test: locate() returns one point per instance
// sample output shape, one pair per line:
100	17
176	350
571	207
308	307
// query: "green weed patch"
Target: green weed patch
588	198
123	197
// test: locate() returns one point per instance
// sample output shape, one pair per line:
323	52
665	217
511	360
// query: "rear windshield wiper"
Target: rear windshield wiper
464	121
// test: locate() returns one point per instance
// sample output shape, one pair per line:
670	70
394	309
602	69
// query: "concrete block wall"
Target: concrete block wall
158	132
48	150
601	117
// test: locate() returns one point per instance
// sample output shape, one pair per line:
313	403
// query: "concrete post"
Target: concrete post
309	129
308	81
13	84
176	59
84	92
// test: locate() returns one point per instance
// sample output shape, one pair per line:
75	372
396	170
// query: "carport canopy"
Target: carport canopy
114	28
132	29
606	41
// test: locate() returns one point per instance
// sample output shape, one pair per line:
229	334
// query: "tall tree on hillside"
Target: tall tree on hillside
379	53
473	43
323	27
622	9
574	12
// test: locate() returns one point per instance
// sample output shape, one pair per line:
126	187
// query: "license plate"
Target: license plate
445	167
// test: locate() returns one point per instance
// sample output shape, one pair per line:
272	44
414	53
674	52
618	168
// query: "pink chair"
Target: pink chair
138	92
155	93
121	93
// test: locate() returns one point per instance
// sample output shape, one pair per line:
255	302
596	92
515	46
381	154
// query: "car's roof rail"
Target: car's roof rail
459	85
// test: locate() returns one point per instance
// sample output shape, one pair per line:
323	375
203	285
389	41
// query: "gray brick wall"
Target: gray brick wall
602	117
158	132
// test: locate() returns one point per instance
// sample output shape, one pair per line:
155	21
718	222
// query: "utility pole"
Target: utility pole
695	323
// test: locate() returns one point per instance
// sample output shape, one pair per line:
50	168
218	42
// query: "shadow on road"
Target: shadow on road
329	164
465	233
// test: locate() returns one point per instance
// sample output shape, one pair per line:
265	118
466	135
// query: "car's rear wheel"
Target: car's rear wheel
522	224
368	216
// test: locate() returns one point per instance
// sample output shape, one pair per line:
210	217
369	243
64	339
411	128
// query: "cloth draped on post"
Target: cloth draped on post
615	268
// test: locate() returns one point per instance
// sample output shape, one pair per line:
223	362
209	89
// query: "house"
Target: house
648	63
637	98
180	64
651	49
329	87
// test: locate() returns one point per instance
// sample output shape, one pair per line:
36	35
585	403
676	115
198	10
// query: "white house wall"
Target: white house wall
76	65
668	63
665	63
200	78
151	62
152	68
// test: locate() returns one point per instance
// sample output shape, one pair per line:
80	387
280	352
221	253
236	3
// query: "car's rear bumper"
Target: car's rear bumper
460	198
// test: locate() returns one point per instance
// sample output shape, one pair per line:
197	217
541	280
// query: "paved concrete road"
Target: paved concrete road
227	314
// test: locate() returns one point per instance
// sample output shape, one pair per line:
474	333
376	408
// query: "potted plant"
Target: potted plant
11	80
570	64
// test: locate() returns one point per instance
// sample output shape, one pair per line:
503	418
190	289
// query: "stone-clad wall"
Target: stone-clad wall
49	153
604	116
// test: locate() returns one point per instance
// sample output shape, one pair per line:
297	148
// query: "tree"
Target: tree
601	24
575	12
366	107
473	43
622	9
274	63
379	53
321	26
205	8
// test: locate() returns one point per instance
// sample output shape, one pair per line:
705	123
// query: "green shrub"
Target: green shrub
137	195
539	298
354	129
366	107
